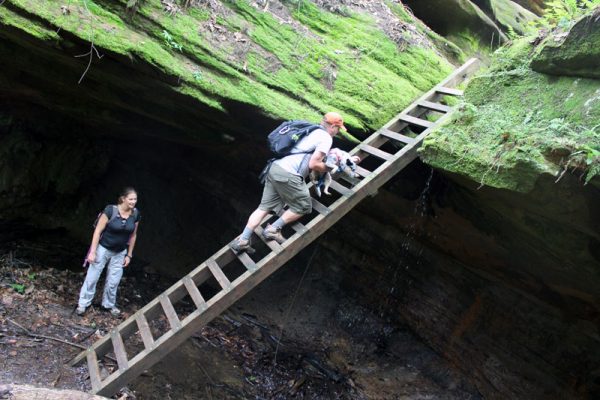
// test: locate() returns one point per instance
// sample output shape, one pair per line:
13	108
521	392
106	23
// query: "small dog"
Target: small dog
337	161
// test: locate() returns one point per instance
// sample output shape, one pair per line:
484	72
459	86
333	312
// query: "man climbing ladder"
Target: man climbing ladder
286	183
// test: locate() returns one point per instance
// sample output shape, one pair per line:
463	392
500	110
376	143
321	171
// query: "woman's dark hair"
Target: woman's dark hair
126	192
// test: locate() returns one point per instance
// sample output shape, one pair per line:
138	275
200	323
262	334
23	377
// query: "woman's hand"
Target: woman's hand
91	257
126	261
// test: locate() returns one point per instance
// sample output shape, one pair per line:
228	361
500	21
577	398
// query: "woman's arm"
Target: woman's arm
131	246
102	221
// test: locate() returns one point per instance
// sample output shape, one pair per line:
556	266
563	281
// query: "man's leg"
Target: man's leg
286	218
294	193
242	243
255	219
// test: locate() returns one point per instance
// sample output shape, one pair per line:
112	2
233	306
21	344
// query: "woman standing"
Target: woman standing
113	242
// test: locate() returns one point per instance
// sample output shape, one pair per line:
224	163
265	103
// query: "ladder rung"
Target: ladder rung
449	91
218	274
119	347
417	121
170	312
247	261
396	136
299	227
338	187
362	172
273	245
434	106
144	329
94	369
375	151
194	293
321	209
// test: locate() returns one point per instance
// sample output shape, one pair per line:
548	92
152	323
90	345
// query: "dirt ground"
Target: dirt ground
298	335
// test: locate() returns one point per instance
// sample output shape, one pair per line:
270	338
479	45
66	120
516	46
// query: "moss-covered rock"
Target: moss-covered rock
536	6
292	60
510	16
461	21
576	53
517	124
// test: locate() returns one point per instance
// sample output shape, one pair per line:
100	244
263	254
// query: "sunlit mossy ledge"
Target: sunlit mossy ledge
315	61
516	124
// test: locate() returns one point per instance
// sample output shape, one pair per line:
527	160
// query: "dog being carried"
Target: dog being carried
338	161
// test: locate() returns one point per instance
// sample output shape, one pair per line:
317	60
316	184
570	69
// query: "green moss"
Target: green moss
576	55
345	63
445	46
517	124
512	16
9	18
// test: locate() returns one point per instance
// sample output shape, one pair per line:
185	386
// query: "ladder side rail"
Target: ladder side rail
128	327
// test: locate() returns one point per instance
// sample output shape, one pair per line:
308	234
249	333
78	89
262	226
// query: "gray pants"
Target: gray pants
113	277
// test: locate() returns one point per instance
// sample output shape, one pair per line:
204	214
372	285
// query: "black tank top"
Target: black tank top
117	232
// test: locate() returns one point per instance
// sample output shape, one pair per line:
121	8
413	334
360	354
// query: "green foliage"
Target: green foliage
320	61
517	124
511	34
170	41
561	13
18	287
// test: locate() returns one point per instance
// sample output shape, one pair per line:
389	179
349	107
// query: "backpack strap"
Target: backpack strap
263	175
310	129
114	214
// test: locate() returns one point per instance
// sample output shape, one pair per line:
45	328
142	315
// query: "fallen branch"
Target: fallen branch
35	335
53	338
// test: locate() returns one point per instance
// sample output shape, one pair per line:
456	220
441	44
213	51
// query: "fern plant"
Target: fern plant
561	13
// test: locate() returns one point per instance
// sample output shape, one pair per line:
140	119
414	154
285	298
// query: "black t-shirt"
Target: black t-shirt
117	232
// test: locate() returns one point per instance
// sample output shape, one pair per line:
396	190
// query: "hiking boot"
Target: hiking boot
80	310
115	312
240	245
271	233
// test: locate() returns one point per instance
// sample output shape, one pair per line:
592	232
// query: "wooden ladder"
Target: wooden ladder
225	277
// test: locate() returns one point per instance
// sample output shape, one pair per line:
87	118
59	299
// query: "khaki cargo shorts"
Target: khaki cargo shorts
282	187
